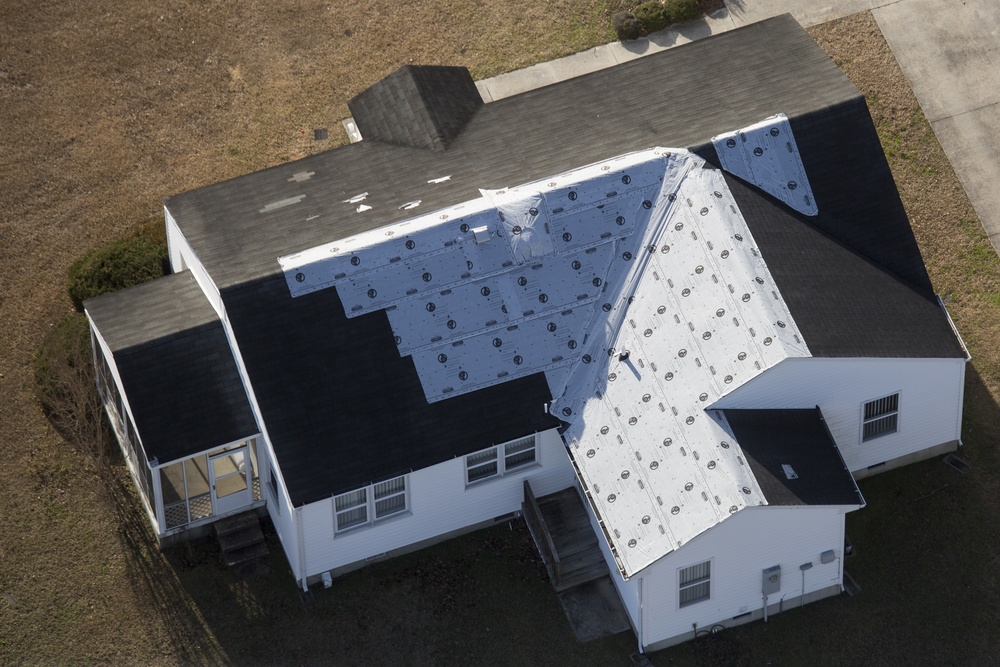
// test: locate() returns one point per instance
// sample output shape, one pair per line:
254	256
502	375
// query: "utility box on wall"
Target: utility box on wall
771	580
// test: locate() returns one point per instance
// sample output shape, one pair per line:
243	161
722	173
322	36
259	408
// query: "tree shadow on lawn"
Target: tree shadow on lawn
483	598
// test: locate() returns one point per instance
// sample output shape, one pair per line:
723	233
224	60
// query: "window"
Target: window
498	461
369	504
881	417
695	583
272	483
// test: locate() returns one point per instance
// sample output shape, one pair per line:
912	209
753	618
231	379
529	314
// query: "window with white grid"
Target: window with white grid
500	460
370	504
695	583
880	417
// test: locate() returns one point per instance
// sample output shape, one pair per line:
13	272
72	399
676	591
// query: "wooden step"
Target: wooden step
245	554
236	522
237	539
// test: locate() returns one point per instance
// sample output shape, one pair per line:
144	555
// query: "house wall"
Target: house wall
439	505
628	589
182	257
740	548
930	401
286	520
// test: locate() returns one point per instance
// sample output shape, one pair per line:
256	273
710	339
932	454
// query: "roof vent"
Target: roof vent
789	471
482	234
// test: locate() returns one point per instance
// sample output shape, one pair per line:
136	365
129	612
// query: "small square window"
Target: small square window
369	504
481	465
501	459
695	583
880	417
352	509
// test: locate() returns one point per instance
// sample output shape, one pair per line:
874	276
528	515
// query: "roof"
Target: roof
343	409
167	341
793	457
679	97
300	353
634	284
417	105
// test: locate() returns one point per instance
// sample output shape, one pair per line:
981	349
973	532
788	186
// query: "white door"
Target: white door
230	480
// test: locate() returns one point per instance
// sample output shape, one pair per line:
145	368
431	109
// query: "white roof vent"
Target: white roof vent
789	471
482	234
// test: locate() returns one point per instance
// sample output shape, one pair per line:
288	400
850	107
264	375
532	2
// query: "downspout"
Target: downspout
302	549
639	624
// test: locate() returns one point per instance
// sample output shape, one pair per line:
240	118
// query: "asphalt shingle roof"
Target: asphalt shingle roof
176	367
799	439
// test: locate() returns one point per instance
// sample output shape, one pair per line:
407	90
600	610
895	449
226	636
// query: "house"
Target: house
679	298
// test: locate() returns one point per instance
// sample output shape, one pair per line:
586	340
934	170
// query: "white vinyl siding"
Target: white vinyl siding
881	417
695	583
764	537
370	503
930	403
500	460
438	503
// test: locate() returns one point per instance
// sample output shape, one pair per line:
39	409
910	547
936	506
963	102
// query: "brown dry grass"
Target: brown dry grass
105	108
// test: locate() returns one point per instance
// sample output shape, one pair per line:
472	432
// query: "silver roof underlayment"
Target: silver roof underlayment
634	284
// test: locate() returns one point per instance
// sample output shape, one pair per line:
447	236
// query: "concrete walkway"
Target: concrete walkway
949	51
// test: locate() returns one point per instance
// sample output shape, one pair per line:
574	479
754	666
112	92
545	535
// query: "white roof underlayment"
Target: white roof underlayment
633	284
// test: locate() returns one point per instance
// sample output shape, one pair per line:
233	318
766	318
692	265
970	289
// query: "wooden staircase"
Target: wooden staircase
242	543
562	532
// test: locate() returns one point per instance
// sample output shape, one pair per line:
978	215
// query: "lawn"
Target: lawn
109	107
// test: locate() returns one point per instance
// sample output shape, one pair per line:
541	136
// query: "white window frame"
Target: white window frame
884	411
367	498
500	457
703	581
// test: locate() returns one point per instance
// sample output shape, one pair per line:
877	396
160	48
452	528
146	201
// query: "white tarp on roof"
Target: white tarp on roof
765	154
633	284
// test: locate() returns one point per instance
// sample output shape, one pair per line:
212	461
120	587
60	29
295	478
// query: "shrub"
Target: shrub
626	25
64	378
679	11
136	259
652	16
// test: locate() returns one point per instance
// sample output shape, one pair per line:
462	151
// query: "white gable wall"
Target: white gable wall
439	504
930	401
740	548
182	256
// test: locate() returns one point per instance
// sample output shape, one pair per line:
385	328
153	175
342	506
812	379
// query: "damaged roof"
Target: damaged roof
854	262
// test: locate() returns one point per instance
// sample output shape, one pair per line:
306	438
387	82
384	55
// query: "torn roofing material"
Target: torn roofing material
634	284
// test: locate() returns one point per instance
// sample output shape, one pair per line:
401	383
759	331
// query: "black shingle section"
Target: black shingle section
421	106
799	438
176	367
343	409
852	276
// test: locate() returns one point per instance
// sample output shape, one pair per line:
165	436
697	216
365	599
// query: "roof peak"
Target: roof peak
421	106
